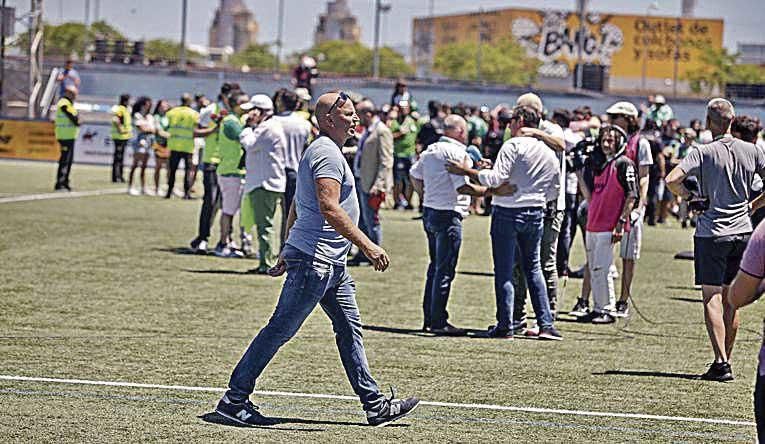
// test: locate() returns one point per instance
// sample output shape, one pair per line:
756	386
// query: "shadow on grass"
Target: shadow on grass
215	418
683	287
181	250
647	374
476	273
418	332
230	272
692	300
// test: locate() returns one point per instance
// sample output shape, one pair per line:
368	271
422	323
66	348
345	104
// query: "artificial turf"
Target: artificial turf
100	288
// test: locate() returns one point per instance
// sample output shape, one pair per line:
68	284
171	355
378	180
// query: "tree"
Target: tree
354	58
255	56
503	62
719	68
166	49
71	38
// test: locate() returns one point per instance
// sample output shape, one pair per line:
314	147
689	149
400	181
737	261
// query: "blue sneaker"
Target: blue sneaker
245	413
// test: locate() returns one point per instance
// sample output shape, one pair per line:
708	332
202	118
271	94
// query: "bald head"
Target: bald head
323	105
456	128
336	117
71	91
720	114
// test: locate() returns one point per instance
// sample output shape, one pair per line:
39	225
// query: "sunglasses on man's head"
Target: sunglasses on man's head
340	101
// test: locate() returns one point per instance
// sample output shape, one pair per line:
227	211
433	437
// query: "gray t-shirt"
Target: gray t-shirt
725	169
311	233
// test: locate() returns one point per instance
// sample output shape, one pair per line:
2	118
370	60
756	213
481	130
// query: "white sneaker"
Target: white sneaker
613	272
149	192
230	251
177	193
134	192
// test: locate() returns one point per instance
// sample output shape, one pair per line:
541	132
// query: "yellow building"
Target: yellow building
632	47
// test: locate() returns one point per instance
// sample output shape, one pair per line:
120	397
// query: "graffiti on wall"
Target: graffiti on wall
555	40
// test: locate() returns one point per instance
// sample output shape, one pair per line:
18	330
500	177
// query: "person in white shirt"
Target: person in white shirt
552	135
517	219
264	143
447	197
297	130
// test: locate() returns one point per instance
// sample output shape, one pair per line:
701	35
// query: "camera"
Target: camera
580	153
698	204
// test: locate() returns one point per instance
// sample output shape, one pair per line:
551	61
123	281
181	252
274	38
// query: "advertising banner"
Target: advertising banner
28	139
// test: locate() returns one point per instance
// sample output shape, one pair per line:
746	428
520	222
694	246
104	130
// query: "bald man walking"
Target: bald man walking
321	226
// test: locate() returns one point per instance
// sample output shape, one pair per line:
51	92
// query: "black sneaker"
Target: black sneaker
622	309
718	371
580	309
499	333
449	330
392	410
550	334
245	413
603	318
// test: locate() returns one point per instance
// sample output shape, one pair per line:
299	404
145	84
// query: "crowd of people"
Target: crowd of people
542	175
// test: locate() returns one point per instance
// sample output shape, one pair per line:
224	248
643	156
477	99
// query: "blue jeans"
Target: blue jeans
444	231
513	231
310	282
369	222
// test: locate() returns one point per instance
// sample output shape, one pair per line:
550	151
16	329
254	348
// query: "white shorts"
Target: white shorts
630	244
231	189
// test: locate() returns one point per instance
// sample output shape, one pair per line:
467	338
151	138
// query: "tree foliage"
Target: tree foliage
354	58
166	49
502	62
254	56
71	38
720	67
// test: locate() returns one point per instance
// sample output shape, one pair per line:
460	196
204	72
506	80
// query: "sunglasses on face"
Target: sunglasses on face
339	102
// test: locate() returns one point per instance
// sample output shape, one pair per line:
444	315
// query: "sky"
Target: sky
147	19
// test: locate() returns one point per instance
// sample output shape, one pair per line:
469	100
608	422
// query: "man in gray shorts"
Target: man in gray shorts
724	170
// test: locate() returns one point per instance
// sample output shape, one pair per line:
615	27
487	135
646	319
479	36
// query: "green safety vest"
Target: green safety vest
181	123
230	151
211	154
127	124
65	129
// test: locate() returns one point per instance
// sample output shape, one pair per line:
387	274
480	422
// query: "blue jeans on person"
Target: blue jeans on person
369	222
518	231
310	282
444	231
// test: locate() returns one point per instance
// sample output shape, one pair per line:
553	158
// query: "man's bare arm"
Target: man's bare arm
417	184
556	143
675	183
744	290
328	195
643	185
470	189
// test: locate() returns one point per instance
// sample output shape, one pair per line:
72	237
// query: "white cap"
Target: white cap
659	99
260	101
623	108
303	94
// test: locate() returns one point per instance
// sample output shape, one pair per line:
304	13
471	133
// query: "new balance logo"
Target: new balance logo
243	415
395	409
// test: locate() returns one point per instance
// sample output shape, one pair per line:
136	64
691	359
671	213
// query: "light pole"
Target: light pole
582	10
279	33
182	55
2	53
379	9
651	7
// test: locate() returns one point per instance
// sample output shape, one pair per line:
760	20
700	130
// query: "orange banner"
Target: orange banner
28	139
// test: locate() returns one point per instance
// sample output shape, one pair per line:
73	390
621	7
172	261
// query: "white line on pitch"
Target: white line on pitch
352	398
60	195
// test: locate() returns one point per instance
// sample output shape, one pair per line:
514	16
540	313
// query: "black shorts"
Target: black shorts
401	167
716	259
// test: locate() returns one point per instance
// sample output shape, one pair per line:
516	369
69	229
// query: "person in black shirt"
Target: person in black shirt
433	129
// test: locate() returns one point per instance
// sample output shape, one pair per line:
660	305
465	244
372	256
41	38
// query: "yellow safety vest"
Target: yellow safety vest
127	124
65	128
181	123
211	154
